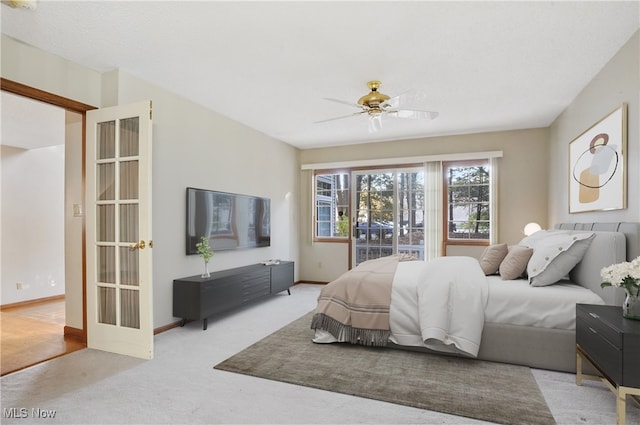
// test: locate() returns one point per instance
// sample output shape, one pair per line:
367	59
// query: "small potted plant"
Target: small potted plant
204	250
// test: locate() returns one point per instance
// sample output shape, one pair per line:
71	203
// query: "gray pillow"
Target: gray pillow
491	258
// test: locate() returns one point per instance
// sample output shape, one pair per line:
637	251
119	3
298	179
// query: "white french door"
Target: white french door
118	233
389	208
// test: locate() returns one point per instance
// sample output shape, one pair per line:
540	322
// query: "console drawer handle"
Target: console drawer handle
595	316
593	330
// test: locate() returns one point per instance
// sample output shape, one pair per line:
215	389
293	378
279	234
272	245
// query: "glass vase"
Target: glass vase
206	270
631	306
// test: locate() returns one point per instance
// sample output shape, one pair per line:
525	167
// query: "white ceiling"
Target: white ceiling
484	66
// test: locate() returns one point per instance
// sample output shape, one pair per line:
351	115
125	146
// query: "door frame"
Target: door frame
80	108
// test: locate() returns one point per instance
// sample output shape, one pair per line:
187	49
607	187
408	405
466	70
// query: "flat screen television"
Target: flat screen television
228	220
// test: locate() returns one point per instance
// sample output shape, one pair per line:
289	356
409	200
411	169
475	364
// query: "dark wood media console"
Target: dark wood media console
197	298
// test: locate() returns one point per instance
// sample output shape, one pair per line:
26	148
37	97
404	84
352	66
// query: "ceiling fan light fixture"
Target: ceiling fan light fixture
375	123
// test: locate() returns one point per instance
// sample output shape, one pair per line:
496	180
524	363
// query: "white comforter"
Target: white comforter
439	304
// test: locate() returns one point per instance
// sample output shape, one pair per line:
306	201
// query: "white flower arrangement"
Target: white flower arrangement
623	275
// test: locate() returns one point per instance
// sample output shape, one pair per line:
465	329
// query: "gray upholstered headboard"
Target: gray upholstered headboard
602	252
630	230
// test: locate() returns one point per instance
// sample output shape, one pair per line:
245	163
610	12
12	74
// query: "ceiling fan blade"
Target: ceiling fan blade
411	98
344	102
413	113
397	101
339	118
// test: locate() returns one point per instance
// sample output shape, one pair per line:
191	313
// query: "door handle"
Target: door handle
139	245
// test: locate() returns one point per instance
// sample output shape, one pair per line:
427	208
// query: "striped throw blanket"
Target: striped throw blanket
355	307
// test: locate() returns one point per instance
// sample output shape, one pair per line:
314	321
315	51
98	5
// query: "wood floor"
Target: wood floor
32	334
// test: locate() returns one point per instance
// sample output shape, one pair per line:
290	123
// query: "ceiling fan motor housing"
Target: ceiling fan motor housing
374	98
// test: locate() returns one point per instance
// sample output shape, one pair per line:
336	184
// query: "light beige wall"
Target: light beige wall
465	250
617	82
36	68
195	147
31	217
522	185
73	220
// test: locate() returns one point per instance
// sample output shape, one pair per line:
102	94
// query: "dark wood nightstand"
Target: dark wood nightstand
611	344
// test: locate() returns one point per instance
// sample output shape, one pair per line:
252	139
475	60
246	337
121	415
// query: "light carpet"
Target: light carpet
482	390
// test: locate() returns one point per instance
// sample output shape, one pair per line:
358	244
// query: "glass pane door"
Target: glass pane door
389	213
117	271
374	213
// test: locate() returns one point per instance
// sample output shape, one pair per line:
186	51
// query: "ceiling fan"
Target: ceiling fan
376	104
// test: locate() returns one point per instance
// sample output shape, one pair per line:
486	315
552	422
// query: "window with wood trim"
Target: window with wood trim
467	201
331	201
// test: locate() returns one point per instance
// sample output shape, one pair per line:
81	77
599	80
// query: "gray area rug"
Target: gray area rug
477	389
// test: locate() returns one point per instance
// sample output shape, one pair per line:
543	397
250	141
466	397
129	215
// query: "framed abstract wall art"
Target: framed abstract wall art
597	165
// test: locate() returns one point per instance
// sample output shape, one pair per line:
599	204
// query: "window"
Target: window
331	206
467	201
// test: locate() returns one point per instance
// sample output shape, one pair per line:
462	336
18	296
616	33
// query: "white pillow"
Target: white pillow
555	253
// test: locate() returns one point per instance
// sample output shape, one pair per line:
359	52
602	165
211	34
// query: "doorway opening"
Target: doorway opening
42	226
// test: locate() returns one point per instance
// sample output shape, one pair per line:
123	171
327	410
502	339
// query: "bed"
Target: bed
463	310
